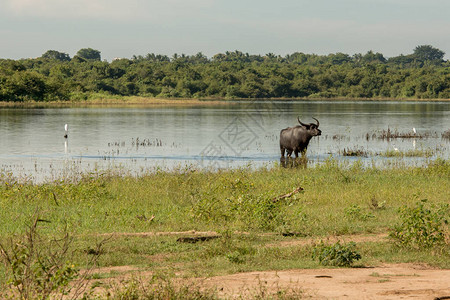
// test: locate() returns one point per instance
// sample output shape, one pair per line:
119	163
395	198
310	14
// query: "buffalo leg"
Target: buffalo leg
289	152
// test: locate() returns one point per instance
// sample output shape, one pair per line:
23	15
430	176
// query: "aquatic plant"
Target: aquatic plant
354	152
408	153
395	134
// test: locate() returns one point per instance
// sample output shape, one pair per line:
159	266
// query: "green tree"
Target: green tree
89	54
56	55
402	61
371	57
339	58
27	85
428	53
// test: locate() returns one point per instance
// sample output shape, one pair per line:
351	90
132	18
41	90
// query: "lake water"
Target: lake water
141	139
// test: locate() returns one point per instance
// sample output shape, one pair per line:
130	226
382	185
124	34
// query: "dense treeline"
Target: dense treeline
55	76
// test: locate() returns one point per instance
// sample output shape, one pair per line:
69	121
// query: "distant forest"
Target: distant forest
424	74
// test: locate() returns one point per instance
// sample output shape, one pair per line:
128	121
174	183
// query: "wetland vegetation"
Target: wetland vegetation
240	220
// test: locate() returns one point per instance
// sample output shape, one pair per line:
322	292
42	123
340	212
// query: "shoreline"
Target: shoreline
144	101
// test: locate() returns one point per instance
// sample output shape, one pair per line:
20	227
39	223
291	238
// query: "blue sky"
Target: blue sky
123	28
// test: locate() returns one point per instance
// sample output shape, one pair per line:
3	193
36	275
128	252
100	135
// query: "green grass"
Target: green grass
336	200
236	204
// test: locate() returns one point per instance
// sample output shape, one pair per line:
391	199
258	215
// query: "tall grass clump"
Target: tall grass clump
160	288
37	266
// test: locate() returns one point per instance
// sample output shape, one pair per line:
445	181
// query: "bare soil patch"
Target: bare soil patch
390	281
387	281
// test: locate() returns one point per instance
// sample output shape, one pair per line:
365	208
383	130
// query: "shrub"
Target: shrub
37	267
421	226
356	212
336	255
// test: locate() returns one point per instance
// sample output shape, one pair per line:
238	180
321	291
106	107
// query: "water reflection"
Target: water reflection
300	162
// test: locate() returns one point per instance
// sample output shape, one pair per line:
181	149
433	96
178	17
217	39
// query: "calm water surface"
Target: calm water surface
140	139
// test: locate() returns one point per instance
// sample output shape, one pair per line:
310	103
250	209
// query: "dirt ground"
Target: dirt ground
394	281
388	281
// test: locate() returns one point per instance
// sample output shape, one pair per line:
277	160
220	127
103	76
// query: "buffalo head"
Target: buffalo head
312	128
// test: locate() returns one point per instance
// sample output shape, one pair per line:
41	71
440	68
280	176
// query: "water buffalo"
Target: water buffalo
297	138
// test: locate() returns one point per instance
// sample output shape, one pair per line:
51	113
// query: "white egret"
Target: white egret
66	129
414	130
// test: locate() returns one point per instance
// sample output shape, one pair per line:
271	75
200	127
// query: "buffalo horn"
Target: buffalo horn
316	121
298	118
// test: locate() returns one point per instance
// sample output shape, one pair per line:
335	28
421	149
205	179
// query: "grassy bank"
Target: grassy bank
129	101
256	220
188	199
102	100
